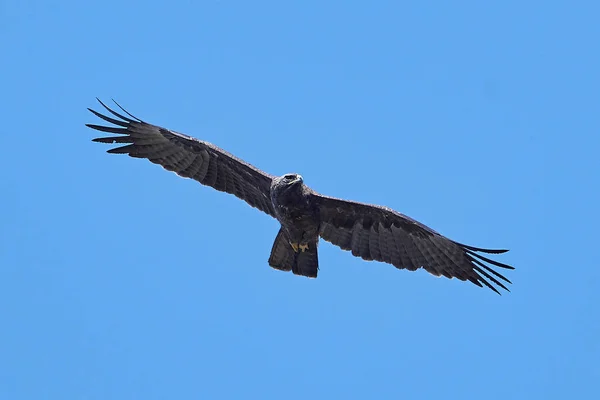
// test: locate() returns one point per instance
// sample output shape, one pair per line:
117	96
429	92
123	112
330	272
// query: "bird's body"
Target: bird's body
369	231
296	211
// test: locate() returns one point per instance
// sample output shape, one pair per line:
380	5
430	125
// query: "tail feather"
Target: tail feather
307	262
282	255
284	258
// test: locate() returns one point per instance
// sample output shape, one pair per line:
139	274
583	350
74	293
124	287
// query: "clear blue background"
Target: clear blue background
120	280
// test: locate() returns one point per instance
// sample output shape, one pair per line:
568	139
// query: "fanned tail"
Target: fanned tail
282	255
303	262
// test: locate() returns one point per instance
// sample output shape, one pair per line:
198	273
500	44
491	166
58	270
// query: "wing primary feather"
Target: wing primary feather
489	251
126	112
496	263
114	139
491	278
486	283
109	119
487	268
109	129
116	114
475	279
122	149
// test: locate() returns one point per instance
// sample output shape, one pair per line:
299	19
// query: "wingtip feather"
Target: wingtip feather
121	150
126	112
480	249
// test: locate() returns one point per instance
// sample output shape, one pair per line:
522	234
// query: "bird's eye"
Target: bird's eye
290	176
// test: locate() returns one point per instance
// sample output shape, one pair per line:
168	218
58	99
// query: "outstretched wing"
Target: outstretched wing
379	233
187	157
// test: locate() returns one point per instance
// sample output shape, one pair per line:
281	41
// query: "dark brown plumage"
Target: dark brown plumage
188	157
369	231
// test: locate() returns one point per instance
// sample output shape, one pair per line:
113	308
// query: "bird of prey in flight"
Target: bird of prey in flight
369	231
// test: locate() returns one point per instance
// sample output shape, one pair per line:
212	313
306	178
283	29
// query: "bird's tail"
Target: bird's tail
304	261
307	261
282	255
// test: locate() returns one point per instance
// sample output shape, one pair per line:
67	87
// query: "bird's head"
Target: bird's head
284	183
290	179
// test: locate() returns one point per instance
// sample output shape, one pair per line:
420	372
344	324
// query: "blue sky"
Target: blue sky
121	280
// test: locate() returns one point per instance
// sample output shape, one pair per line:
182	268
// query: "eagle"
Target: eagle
368	231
